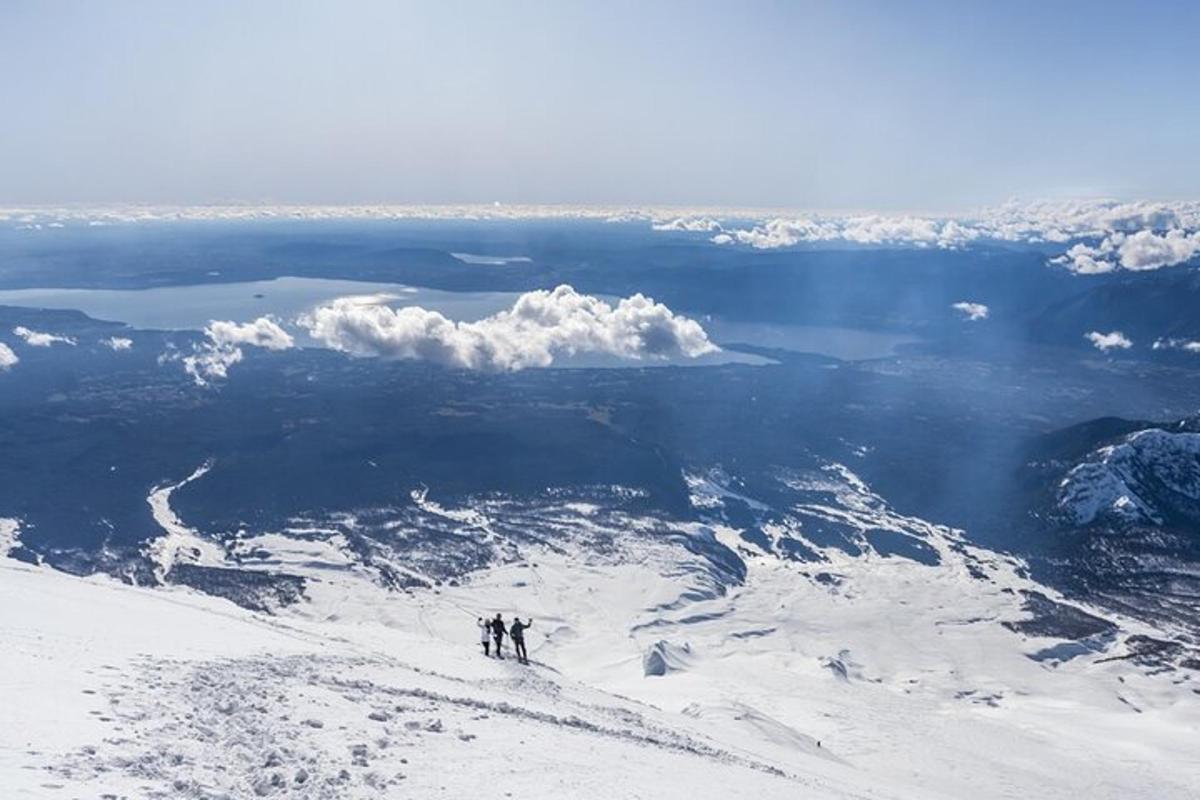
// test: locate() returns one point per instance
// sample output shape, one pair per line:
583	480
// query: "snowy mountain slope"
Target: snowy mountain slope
123	691
1144	477
166	693
854	672
1116	515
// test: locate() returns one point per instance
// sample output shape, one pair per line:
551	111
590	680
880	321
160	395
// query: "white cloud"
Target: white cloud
1138	235
872	229
39	339
688	224
212	359
1109	341
210	362
8	358
541	326
1159	233
1088	260
117	343
262	332
1143	250
972	312
1190	346
1148	250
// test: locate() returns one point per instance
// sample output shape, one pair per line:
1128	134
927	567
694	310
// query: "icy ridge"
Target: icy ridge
1137	479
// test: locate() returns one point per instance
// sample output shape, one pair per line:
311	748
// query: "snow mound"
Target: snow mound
664	657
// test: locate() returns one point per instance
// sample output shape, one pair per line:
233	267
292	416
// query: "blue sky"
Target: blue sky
847	105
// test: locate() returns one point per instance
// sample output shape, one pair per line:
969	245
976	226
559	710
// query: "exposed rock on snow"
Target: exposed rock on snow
1144	477
664	657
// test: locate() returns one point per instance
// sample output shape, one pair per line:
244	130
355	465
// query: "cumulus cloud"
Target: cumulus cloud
8	358
1087	259
212	359
1187	345
1114	340
540	327
210	362
1104	235
39	339
1148	250
871	230
1143	250
688	224
117	343
972	312
263	332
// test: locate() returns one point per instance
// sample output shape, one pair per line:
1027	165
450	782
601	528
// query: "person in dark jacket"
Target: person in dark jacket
498	631
517	632
485	634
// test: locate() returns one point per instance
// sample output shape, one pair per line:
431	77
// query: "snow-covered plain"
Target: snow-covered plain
853	677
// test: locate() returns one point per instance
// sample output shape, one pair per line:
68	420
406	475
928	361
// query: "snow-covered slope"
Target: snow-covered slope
851	675
1144	477
1121	528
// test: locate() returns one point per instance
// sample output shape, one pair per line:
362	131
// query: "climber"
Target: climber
517	632
498	631
485	634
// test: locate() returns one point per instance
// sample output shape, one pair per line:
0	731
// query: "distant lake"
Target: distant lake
193	307
846	344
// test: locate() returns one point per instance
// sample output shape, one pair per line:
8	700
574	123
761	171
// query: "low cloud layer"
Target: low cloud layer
1102	235
1107	235
40	339
1143	250
117	343
688	224
1186	345
540	327
972	312
212	360
263	332
863	230
8	359
1114	340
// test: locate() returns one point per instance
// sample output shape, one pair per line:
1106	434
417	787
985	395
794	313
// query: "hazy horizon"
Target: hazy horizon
864	106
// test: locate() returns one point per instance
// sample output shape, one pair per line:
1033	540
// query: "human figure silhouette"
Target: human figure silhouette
517	632
485	634
498	631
